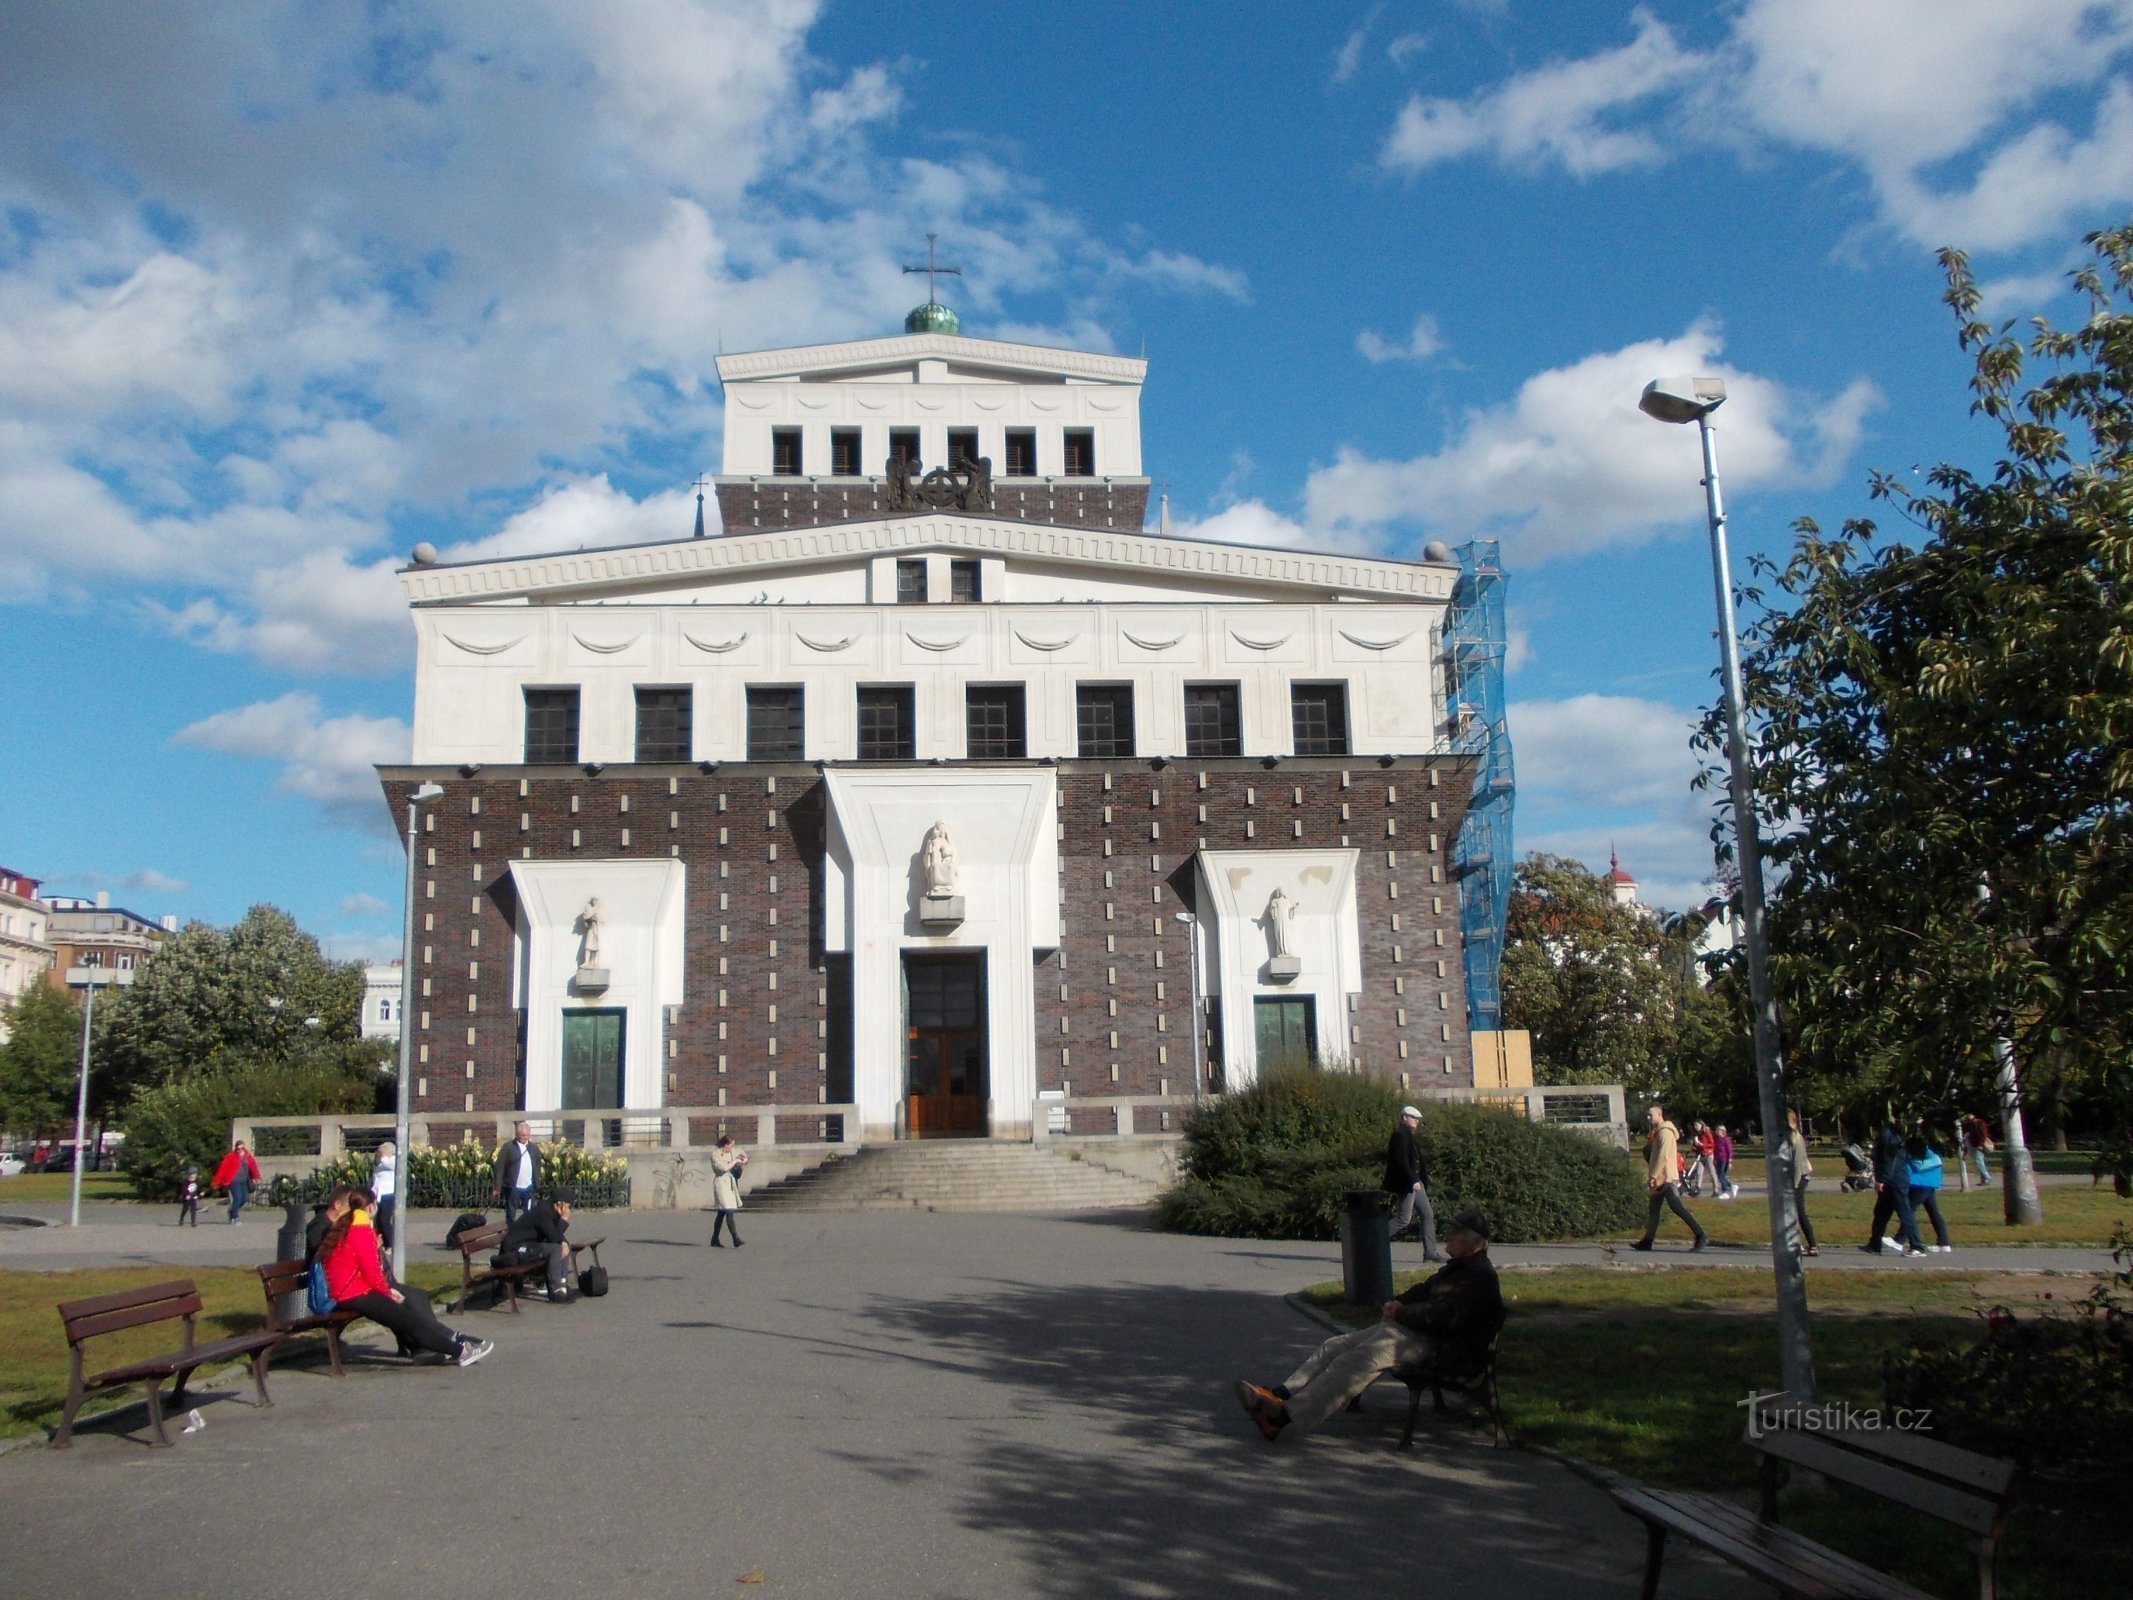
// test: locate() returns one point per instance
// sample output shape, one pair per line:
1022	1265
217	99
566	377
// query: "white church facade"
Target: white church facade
928	794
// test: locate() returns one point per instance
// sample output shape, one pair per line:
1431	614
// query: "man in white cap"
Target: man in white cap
1407	1180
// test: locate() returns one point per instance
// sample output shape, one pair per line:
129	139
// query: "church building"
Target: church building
929	792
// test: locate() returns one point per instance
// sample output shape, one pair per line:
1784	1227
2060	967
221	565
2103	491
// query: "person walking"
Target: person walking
1802	1170
189	1198
237	1172
1925	1166
518	1174
385	1184
1407	1179
1977	1139
727	1162
1892	1196
1722	1154
1662	1177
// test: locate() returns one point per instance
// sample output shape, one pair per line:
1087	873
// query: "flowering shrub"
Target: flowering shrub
460	1177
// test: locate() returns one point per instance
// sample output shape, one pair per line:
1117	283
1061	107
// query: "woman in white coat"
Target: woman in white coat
727	1160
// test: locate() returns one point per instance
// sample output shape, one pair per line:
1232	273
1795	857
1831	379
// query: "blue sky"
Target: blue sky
286	288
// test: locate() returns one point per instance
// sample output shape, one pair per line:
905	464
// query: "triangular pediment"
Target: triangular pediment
679	569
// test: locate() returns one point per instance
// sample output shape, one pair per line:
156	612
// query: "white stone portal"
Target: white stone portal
626	916
876	880
1279	924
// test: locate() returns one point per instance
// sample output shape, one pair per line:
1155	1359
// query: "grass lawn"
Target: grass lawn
1643	1372
2074	1214
33	1344
32	1187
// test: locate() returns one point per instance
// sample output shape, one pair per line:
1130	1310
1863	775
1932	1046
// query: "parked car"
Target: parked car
10	1166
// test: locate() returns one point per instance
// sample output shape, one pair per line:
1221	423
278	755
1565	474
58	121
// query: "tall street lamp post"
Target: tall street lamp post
90	979
401	1102
1693	400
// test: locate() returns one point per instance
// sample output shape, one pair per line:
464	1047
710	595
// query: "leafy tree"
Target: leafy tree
1954	718
187	1120
41	1061
1609	993
258	991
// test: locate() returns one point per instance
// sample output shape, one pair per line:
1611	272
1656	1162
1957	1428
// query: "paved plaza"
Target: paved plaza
871	1404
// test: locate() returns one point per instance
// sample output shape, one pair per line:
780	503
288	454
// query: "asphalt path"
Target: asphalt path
853	1405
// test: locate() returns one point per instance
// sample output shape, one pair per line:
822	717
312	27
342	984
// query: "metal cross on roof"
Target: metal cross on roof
933	271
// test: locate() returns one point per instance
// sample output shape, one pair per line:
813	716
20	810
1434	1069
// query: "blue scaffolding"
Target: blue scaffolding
1475	643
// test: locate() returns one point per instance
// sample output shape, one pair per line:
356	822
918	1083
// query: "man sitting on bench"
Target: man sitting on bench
1446	1318
538	1236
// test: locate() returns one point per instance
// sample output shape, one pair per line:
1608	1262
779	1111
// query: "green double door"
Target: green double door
592	1060
1285	1030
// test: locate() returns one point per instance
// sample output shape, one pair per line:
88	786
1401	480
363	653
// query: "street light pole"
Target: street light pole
81	1098
1693	400
402	1094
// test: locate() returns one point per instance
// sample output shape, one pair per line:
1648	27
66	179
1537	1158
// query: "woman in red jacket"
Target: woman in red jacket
237	1172
355	1277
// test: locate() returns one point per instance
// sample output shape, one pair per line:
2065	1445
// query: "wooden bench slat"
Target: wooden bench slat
178	1289
1960	1468
1819	1452
200	1355
1792	1562
80	1328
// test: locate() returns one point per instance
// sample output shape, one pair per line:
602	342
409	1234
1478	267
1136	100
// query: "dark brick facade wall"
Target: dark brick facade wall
754	1027
751	505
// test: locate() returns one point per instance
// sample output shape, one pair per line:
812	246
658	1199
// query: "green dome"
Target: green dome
932	317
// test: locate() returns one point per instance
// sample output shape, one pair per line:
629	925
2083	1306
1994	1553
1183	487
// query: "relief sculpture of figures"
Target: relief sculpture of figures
977	488
589	919
1280	911
937	861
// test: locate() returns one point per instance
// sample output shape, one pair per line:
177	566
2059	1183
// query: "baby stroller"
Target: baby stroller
1859	1171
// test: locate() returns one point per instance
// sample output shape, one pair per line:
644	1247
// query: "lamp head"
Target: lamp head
1682	399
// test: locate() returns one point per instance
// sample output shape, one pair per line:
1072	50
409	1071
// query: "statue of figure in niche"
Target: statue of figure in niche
936	859
1280	915
589	921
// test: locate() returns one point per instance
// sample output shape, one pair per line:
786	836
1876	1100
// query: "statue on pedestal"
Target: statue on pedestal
936	859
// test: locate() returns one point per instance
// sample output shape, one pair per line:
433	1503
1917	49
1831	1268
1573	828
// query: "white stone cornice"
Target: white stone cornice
584	574
815	359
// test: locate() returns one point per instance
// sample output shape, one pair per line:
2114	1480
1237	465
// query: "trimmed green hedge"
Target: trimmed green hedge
1273	1161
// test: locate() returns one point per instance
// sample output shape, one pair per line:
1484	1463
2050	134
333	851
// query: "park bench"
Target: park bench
1956	1486
140	1308
281	1278
1475	1380
487	1243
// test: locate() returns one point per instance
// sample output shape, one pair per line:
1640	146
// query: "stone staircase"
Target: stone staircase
956	1175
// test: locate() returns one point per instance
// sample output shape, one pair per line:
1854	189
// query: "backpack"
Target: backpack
592	1282
315	1295
465	1222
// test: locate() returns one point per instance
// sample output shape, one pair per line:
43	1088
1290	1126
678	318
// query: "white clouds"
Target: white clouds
1563	112
1569	465
363	905
283	290
142	880
1424	340
328	760
1940	103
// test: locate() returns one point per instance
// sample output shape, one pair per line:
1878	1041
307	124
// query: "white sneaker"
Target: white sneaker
1944	1249
471	1353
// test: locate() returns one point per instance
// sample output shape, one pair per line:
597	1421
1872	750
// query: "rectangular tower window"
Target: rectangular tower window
887	724
1021	453
1318	712
1213	726
911	582
903	446
844	452
785	452
995	722
963	582
1080	453
776	722
1103	719
664	724
551	727
962	445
